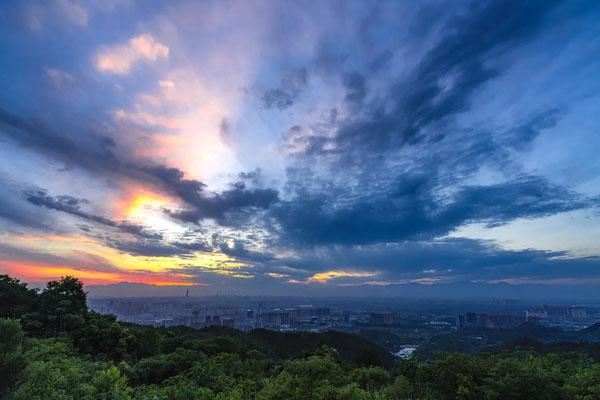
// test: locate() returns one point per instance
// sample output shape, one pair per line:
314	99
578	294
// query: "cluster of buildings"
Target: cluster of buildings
169	312
174	312
557	313
574	317
423	320
383	318
500	321
304	315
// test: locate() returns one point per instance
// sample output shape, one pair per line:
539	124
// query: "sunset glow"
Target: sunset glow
318	148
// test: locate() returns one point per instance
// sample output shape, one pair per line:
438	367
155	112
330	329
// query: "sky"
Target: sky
327	148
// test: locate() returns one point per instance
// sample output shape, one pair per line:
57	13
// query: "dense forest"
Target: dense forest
53	348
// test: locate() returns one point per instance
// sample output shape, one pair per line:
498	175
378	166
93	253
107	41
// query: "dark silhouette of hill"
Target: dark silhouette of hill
526	330
283	345
351	348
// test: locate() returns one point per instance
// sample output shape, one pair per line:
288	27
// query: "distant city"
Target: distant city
400	325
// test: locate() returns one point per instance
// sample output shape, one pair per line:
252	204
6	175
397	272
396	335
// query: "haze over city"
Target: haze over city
316	148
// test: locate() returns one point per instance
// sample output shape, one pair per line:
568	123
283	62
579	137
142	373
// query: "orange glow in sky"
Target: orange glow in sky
135	200
40	273
137	206
96	264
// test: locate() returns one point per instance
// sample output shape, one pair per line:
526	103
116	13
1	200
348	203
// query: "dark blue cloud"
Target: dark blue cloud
355	86
412	209
375	190
156	248
468	55
285	95
450	260
13	211
72	205
218	206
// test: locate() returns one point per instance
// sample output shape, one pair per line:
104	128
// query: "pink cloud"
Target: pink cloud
119	59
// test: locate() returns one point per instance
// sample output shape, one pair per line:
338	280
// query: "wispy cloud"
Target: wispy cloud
59	78
74	11
324	277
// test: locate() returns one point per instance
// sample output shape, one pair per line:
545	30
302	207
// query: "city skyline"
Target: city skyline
387	148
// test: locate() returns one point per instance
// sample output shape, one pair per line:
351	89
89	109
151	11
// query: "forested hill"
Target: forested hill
53	348
283	345
526	336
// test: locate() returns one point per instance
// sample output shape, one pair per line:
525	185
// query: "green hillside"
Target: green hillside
53	348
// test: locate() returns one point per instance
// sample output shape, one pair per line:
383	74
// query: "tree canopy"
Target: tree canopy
53	348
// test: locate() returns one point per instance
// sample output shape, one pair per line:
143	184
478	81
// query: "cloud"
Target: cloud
400	131
75	259
155	248
440	86
448	260
104	162
464	268
238	197
119	59
14	212
285	95
413	209
355	86
324	277
146	243
277	275
74	11
72	205
166	84
218	205
40	266
239	251
59	78
34	15
37	14
399	167
278	98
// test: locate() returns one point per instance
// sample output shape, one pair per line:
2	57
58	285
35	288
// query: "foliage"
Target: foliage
58	350
12	361
16	299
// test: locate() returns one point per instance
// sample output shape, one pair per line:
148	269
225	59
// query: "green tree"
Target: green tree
353	392
12	361
103	337
108	385
78	362
313	377
62	308
56	379
16	299
370	378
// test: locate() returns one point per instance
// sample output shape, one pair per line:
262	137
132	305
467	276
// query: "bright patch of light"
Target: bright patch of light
148	211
